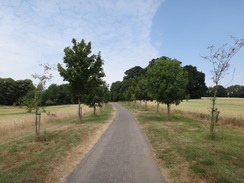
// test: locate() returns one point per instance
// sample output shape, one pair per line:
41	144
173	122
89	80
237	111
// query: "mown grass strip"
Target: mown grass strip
32	159
184	149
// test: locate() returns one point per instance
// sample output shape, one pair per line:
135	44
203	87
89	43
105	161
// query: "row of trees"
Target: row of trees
136	78
83	71
163	80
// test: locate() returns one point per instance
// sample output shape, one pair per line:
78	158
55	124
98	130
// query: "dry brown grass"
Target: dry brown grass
14	120
55	153
231	110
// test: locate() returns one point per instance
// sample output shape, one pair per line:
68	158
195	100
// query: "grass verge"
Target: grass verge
185	152
32	159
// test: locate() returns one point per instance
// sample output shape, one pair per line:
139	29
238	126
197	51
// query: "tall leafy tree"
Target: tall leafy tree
167	82
116	91
7	91
134	72
196	86
81	70
143	90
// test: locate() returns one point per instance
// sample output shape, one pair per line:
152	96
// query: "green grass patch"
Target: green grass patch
32	159
184	142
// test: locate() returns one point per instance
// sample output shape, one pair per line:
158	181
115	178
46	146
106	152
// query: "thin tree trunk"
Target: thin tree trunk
168	110
212	125
146	104
94	110
38	123
101	108
157	107
79	111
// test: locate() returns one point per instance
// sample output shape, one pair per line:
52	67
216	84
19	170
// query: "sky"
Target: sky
127	32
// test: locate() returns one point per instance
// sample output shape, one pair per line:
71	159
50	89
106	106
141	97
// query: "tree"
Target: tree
196	86
235	91
167	82
220	59
51	95
7	91
116	91
221	92
22	88
97	96
134	72
81	69
142	90
33	102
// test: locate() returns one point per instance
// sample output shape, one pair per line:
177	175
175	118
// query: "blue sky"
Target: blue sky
127	32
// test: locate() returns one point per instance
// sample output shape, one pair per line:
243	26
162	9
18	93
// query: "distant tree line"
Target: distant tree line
14	92
236	91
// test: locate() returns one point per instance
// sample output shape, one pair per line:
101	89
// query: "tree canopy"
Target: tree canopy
83	70
167	82
196	86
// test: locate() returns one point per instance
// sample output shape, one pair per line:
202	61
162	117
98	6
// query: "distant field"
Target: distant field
231	109
14	119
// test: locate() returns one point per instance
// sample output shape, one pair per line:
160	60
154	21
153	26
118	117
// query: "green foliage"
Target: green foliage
12	92
235	91
116	91
167	81
196	86
81	68
221	91
134	73
83	71
57	95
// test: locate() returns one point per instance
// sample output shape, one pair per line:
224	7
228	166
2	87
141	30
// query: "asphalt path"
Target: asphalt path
122	154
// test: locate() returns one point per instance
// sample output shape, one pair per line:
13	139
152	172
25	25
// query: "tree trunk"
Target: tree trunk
101	108
168	110
79	111
157	107
213	121
146	104
94	110
38	123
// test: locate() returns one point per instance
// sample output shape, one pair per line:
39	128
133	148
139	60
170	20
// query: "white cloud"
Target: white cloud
36	31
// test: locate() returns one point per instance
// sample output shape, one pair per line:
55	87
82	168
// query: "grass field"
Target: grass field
51	157
231	109
185	152
14	119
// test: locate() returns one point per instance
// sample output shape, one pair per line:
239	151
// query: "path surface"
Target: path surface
121	155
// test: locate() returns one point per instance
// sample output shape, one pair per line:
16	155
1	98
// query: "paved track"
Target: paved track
121	155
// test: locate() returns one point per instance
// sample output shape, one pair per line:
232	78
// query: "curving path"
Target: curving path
121	155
